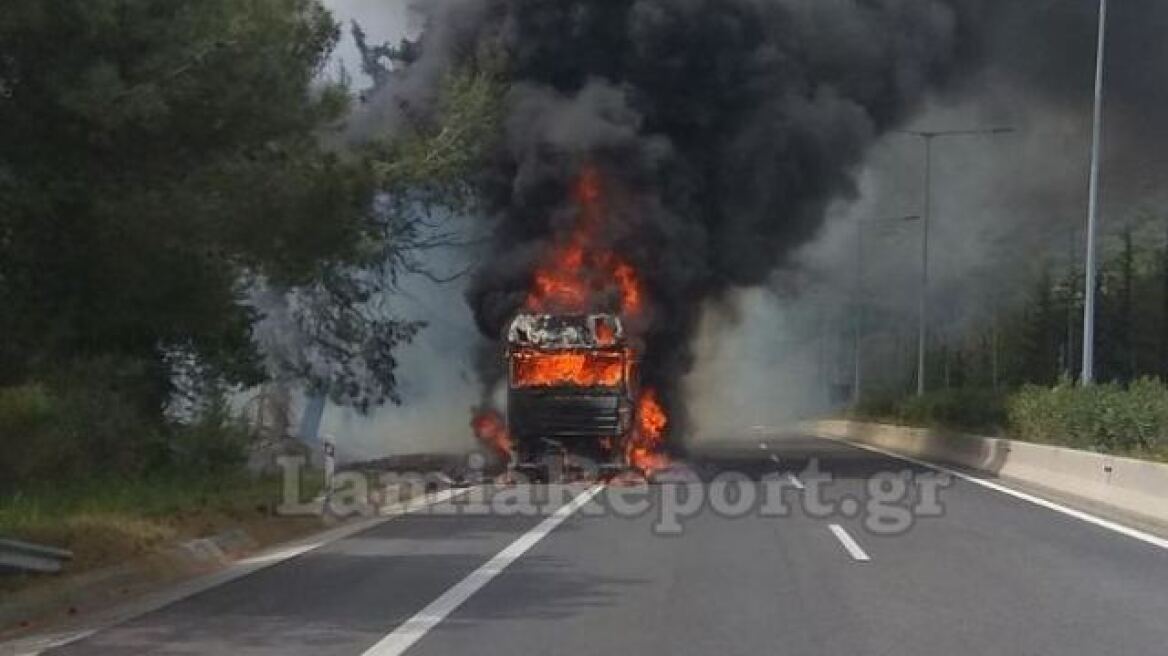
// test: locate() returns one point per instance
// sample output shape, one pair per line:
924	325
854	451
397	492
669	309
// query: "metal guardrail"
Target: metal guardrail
16	556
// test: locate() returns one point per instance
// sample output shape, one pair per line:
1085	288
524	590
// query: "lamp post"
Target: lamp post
1093	206
928	136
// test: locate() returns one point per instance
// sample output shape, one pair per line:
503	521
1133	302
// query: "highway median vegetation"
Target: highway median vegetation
1010	371
1129	420
971	410
1124	420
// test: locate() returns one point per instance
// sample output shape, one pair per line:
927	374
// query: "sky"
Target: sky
382	20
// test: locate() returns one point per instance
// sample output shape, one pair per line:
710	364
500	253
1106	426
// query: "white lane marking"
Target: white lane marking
133	609
796	482
775	459
850	544
1038	501
417	626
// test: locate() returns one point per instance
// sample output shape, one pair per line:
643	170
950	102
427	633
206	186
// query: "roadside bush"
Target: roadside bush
83	420
90	423
214	443
967	409
26	415
25	407
1108	418
877	407
974	410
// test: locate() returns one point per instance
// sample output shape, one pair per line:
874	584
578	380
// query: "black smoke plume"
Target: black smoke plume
722	128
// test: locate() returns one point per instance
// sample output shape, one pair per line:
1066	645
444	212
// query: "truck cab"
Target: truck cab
572	384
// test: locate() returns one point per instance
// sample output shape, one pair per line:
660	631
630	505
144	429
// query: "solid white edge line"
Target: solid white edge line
852	547
413	629
1038	501
133	609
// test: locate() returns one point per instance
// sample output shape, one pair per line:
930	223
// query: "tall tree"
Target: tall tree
1041	331
154	156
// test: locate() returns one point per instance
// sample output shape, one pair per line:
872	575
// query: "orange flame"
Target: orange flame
491	430
554	369
581	274
630	287
605	334
645	447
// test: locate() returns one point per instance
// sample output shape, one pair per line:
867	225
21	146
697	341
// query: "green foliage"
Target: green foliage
967	409
1028	330
1109	418
89	421
108	519
1042	327
215	443
25	409
156	154
444	156
1112	418
162	161
72	427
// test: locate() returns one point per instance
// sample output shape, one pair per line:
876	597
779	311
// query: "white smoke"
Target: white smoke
436	373
761	362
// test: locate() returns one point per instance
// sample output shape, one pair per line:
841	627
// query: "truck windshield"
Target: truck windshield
587	368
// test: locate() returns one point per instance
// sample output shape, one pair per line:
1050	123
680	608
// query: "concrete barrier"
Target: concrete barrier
1134	487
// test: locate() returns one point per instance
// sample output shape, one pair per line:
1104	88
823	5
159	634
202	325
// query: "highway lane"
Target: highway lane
338	599
990	575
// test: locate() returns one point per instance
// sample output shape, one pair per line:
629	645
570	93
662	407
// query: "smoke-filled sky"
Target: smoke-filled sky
724	129
745	136
1006	204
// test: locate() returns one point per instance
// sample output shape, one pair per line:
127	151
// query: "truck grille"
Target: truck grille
552	414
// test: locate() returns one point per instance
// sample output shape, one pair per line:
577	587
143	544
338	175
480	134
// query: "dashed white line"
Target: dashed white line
775	459
852	547
795	481
420	624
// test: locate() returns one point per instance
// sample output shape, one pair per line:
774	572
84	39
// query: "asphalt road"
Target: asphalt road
988	574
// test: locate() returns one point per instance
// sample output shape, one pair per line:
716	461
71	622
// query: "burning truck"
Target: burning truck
572	390
573	366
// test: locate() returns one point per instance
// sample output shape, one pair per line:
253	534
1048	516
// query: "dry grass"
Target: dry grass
105	523
100	538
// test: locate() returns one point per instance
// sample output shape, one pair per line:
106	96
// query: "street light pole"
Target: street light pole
1093	206
923	302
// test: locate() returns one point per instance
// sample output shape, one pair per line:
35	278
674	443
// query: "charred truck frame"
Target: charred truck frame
572	389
